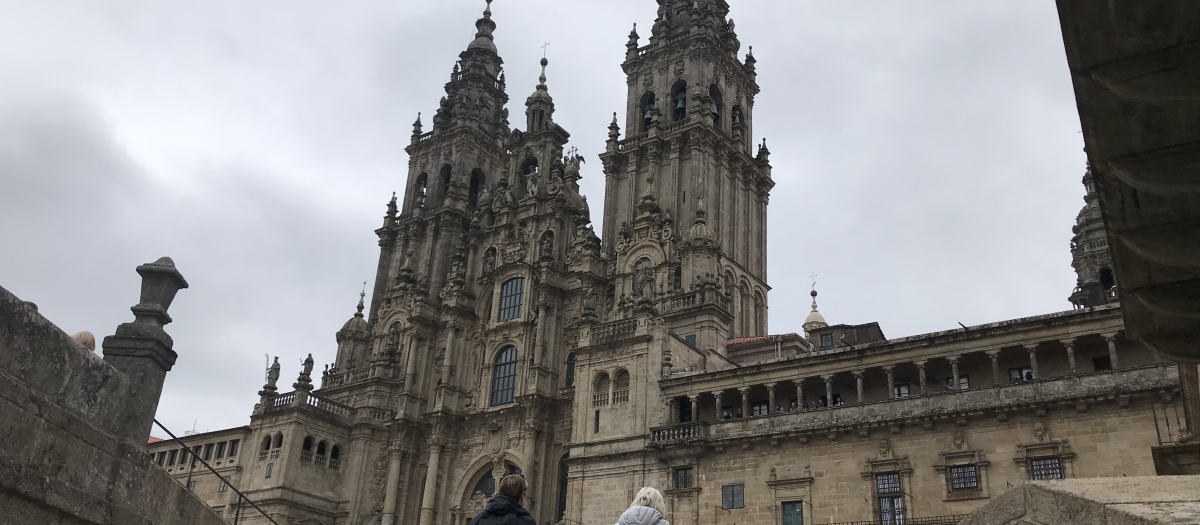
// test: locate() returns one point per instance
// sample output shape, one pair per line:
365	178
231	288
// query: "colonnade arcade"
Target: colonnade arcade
843	385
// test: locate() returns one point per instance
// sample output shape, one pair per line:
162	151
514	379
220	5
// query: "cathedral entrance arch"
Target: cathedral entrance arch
481	486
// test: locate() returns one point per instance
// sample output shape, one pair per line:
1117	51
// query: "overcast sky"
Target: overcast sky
926	155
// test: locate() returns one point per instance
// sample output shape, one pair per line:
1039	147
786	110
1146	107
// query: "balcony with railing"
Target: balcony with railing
323	406
677	434
686	300
620	396
612	332
1117	385
600	399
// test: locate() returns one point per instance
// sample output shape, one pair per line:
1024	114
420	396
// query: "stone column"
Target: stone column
829	391
540	351
452	332
800	394
1112	349
695	407
745	392
994	355
954	372
671	411
142	351
410	365
431	481
720	415
891	384
921	375
392	488
858	378
1032	349
771	399
1070	345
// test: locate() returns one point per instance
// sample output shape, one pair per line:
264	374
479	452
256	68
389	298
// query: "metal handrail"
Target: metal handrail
196	457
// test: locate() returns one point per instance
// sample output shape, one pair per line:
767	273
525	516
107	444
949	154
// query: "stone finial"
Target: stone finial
160	282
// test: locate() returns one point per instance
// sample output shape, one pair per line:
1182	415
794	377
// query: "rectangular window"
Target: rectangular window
208	451
270	468
171	457
964	478
224	484
233	447
512	293
733	496
760	408
1101	363
891	498
900	391
597	430
1017	375
964	383
191	486
196	454
691	340
221	449
161	458
793	513
684	477
685	410
1046	468
826	340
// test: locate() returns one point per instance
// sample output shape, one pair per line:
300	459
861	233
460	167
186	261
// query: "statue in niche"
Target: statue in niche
533	183
643	280
591	299
546	246
504	197
489	262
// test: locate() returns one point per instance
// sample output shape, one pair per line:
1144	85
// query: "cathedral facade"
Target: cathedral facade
504	336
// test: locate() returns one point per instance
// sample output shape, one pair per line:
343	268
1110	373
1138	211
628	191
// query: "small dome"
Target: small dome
815	319
355	324
484	43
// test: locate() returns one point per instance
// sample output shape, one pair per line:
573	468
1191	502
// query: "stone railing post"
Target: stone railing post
143	351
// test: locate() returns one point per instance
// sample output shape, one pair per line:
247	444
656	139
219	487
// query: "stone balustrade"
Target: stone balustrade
320	405
1094	388
684	433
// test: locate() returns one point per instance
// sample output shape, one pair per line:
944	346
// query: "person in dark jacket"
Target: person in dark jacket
505	508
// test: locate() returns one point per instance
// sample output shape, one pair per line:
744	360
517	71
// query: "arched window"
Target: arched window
279	440
1106	278
477	183
571	369
321	448
335	453
487	483
335	458
512	295
266	443
419	189
620	387
563	470
716	104
308	444
647	110
444	188
600	389
679	101
504	376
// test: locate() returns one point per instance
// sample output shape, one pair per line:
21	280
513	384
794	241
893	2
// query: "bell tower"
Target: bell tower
688	164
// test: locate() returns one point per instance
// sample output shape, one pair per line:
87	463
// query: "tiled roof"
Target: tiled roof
154	440
740	340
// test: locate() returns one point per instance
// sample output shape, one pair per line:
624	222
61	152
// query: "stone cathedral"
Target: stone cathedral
504	336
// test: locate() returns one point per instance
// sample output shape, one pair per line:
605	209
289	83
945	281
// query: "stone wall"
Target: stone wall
60	460
1111	501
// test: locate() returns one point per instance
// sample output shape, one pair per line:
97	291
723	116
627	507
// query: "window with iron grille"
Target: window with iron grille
760	408
512	292
1046	468
171	457
891	498
684	477
208	451
224	485
504	376
733	496
233	447
964	478
826	340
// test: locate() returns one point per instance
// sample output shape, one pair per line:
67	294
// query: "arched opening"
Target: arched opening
716	104
308	444
279	440
444	180
266	443
335	452
504	376
563	471
528	172
647	110
485	487
1107	280
621	387
321	448
601	388
489	261
570	375
760	314
679	101
546	245
736	117
419	187
477	183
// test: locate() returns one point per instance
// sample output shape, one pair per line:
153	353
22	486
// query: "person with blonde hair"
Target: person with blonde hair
647	509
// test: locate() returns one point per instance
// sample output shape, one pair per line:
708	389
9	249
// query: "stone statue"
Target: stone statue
489	262
533	183
272	377
591	300
308	366
503	197
304	382
546	246
643	281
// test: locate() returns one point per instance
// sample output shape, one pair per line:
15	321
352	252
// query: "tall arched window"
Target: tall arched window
563	470
679	101
716	104
620	387
512	295
600	389
419	189
477	182
571	369
279	440
504	376
444	186
647	110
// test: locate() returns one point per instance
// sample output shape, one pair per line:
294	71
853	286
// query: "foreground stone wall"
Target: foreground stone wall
60	461
1171	500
